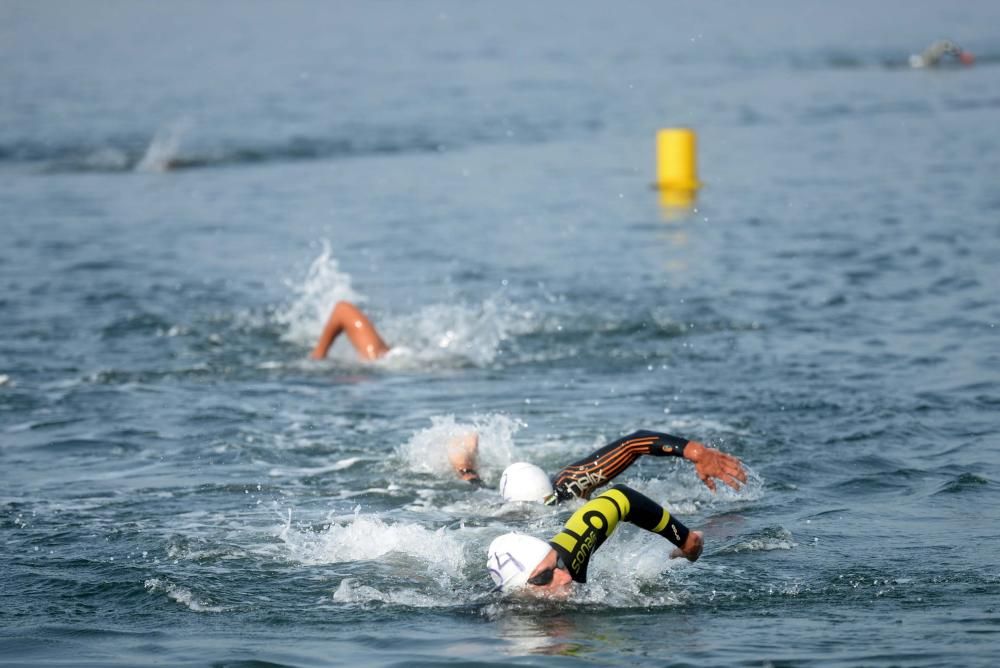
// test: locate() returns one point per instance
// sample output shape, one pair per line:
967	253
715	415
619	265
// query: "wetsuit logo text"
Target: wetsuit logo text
587	481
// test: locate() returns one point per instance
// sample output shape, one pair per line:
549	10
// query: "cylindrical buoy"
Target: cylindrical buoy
676	160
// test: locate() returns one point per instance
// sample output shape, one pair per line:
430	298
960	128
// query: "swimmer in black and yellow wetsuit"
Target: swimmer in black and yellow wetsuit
517	561
526	482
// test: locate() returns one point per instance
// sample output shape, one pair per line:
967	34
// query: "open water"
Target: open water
186	188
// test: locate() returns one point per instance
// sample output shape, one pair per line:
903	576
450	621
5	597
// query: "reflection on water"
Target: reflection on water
549	635
676	203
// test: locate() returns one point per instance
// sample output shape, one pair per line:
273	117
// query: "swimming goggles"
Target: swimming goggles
545	577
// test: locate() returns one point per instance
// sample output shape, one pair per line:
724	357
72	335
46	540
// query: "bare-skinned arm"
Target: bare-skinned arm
348	318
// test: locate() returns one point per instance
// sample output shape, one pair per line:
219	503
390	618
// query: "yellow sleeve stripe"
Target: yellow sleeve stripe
663	522
621	500
565	541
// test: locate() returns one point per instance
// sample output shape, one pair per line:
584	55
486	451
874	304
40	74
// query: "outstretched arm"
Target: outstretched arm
346	317
601	466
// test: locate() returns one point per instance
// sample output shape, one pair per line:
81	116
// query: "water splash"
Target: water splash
349	591
323	286
681	489
162	152
368	538
427	449
448	335
438	335
299	472
180	594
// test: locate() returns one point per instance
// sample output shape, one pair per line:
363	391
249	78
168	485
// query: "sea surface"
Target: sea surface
186	189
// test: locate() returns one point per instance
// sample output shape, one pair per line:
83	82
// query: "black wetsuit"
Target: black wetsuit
596	520
580	478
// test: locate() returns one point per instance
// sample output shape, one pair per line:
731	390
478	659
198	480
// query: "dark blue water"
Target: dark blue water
186	189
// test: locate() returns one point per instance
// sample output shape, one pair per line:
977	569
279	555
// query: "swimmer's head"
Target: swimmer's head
512	557
525	482
966	57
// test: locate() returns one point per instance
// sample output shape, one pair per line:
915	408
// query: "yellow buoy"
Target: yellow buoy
676	162
675	199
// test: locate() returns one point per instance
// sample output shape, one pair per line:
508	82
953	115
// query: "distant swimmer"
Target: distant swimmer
938	51
526	482
518	563
346	317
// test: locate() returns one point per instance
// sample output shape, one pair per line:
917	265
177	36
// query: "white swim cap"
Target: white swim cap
525	482
512	557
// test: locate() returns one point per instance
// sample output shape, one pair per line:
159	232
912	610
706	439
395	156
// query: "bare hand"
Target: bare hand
691	549
710	463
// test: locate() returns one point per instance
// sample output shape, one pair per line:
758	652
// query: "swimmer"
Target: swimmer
346	317
518	563
526	482
933	54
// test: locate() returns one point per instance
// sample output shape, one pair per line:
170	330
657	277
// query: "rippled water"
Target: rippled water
187	189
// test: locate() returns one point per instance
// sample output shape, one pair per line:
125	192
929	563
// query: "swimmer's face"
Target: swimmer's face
550	578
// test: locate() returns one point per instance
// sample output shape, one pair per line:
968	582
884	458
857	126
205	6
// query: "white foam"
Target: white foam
391	489
454	559
181	595
350	592
286	472
448	334
367	538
